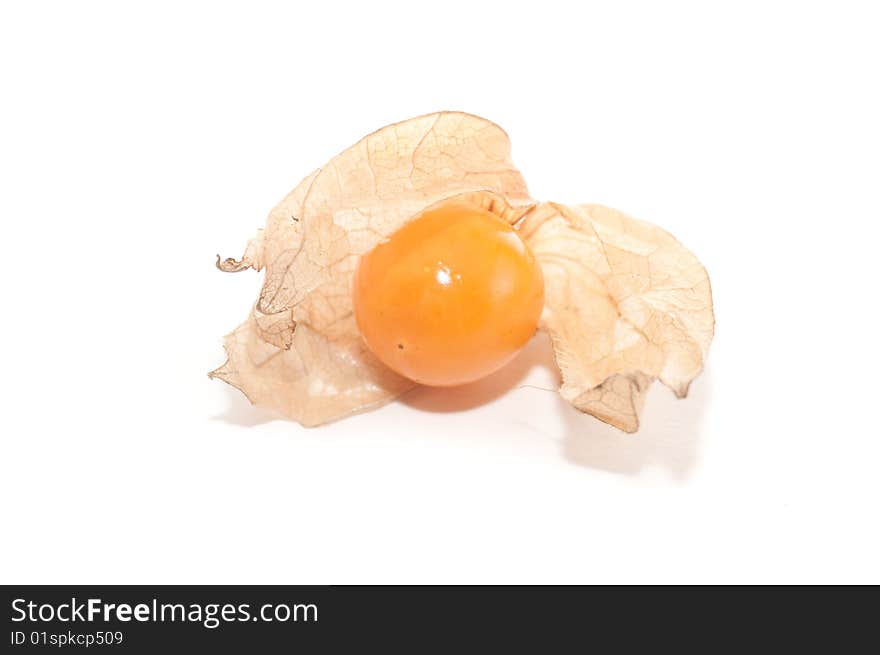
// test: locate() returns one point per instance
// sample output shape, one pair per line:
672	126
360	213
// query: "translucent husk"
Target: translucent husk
625	302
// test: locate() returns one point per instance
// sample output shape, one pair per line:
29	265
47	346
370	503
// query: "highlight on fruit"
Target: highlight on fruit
417	256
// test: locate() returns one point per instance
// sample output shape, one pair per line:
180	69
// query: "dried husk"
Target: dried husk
625	303
299	353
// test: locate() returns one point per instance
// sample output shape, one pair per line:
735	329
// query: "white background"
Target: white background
137	142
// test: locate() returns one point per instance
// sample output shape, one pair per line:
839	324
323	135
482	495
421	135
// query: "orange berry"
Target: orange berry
450	298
